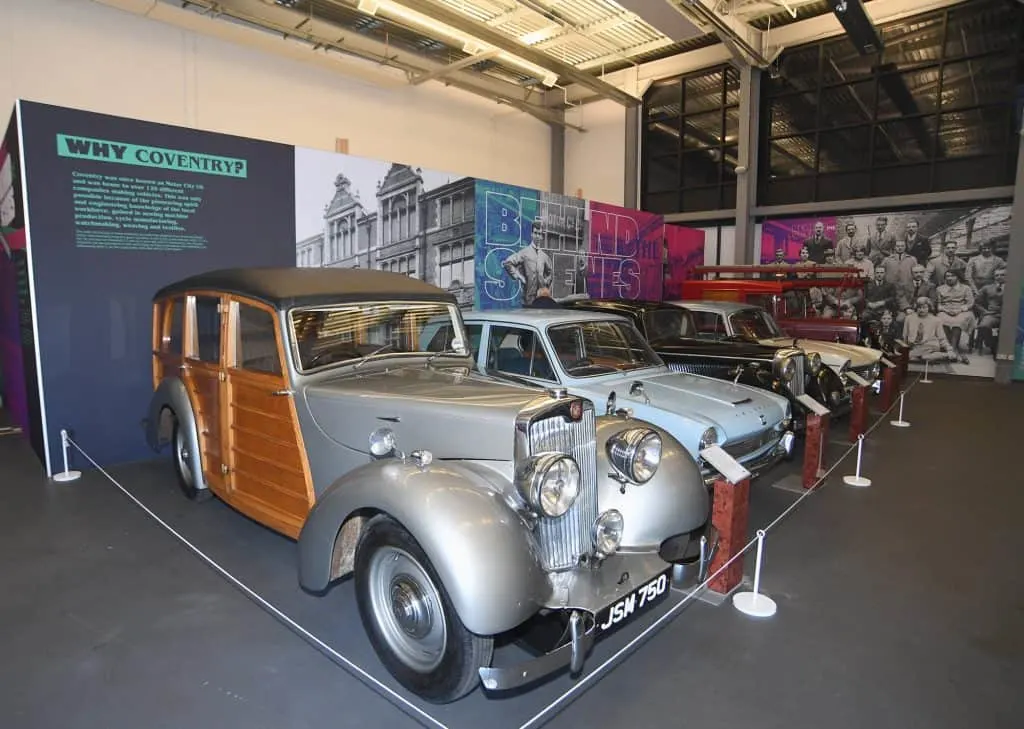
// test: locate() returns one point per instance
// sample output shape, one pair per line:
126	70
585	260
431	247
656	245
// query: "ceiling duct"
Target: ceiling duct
858	26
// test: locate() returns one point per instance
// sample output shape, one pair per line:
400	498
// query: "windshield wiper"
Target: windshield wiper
381	348
438	353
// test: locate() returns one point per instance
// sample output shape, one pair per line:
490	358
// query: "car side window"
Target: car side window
709	325
475	333
518	351
207	329
256	343
173	334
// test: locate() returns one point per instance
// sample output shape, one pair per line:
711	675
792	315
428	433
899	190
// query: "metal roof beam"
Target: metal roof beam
746	43
444	71
324	36
497	39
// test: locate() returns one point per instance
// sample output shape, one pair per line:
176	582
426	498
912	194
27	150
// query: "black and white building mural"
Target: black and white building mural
353	212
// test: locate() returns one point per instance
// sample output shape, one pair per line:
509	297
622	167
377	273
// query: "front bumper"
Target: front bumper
598	600
759	463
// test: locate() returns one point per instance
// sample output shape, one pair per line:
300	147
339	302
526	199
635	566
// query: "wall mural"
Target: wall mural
354	212
684	251
19	386
529	240
935	278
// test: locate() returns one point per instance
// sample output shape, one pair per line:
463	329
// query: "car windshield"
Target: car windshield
669	324
343	333
754	324
588	349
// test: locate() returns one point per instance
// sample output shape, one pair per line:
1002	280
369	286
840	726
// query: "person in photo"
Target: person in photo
947	260
954	301
860	260
881	240
531	265
916	244
923	331
919	286
989	304
899	266
817	243
844	248
981	268
879	295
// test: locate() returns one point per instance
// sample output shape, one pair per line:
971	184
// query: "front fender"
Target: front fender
481	549
673	502
171	395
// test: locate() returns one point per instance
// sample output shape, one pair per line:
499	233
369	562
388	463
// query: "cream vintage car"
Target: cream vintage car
463	508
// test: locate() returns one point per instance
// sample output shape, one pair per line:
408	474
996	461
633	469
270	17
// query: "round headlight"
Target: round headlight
551	483
708	438
608	532
788	369
635	453
382	442
814	362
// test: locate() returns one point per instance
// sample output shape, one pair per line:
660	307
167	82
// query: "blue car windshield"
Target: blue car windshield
589	349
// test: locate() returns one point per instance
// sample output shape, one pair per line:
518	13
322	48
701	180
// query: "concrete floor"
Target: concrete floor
900	605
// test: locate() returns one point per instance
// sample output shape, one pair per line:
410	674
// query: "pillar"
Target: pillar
747	248
1010	321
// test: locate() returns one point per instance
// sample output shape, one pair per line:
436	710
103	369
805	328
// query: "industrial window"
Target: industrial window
690	132
934	111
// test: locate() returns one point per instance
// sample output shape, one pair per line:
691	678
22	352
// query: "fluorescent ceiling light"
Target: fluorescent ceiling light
368	6
468	43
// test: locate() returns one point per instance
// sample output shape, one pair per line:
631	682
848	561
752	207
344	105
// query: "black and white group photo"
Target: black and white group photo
933	279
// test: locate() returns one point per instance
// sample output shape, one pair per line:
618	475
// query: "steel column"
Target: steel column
747	156
631	183
557	157
1010	320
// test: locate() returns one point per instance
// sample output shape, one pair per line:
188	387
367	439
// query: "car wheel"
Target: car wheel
410	619
182	458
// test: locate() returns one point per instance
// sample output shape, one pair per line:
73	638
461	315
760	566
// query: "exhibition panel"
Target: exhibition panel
116	208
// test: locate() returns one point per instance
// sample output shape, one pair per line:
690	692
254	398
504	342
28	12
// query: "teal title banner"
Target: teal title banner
105	150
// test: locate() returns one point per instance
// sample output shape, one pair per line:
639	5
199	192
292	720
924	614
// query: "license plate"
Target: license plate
638	601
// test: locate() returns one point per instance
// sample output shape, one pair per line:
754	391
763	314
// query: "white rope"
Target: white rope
416	712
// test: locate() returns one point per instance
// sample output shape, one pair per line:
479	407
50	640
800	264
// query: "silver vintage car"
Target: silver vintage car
463	508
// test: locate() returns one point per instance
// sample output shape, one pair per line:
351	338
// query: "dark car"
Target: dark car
785	370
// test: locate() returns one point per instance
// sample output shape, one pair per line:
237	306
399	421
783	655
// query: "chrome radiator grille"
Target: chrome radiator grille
740	449
699	368
565	539
798	385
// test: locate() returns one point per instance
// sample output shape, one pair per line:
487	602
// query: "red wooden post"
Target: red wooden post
859	411
814	448
730	514
904	361
890	387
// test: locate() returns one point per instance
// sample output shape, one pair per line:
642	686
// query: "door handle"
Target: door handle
282	393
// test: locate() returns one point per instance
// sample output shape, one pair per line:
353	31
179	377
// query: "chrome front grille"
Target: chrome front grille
798	385
740	449
565	539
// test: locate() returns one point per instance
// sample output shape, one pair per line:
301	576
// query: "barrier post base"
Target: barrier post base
858	412
814	449
755	604
67	476
730	514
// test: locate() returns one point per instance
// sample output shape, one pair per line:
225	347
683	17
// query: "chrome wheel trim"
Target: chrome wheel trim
407	609
183	458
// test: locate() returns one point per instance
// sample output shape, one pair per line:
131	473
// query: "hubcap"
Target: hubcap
407	609
184	458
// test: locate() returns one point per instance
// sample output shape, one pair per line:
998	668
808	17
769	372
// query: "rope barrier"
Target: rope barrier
414	711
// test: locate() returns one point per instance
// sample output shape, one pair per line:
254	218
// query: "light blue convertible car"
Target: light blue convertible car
604	358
